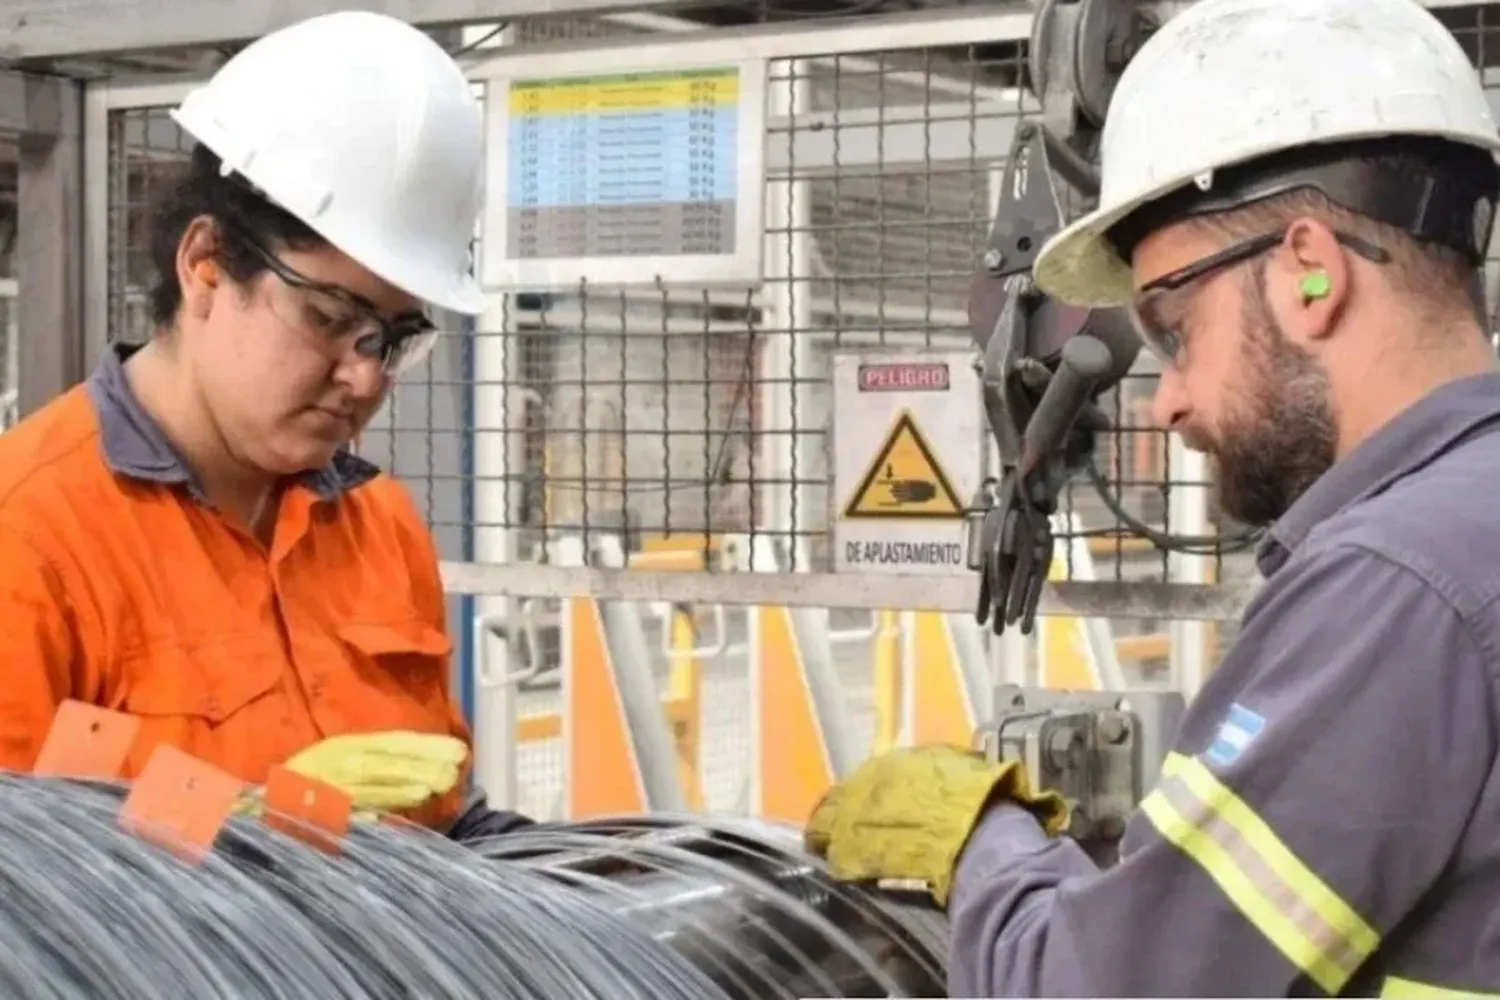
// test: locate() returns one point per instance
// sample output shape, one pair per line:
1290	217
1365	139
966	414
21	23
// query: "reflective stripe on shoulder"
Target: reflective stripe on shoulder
1406	989
1306	920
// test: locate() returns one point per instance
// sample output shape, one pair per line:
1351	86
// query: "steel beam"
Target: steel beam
955	594
58	29
29	104
49	238
55	29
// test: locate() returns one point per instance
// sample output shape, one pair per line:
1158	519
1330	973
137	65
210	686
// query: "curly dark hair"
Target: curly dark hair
244	218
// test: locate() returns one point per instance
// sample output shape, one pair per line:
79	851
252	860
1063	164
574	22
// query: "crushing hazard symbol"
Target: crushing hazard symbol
905	480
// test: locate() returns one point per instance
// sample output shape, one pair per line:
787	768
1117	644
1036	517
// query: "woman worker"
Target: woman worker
186	538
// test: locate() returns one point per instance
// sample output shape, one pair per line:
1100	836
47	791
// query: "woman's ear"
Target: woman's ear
198	272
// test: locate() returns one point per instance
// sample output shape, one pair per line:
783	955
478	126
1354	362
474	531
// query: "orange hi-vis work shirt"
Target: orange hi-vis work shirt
121	587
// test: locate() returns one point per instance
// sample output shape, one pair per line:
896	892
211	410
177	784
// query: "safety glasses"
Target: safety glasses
338	319
1159	311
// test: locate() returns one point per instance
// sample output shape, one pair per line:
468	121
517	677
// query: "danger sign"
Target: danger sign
908	444
905	480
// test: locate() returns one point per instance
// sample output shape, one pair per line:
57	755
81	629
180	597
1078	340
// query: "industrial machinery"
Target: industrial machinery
1044	366
1102	750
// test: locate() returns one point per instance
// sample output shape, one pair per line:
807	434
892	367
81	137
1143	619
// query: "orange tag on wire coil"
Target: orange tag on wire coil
313	811
180	803
87	741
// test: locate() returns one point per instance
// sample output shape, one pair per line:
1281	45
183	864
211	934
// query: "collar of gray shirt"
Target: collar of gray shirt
136	446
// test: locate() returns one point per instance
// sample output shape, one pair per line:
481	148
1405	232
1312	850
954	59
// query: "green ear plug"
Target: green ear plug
1316	286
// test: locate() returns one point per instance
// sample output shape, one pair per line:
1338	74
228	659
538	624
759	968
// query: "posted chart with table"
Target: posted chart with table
625	165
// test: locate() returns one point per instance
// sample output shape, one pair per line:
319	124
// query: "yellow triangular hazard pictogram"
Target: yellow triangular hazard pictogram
905	480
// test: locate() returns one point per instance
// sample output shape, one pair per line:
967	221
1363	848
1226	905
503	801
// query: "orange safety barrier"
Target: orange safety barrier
792	769
602	776
938	708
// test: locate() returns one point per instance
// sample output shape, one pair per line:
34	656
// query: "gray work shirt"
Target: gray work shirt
1329	819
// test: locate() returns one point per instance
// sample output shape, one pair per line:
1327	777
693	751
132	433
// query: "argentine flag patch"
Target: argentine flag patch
1236	732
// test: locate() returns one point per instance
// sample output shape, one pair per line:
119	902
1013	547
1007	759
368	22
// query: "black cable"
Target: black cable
1239	540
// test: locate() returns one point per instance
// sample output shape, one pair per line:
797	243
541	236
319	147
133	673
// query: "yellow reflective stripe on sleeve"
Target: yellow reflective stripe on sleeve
1406	989
1306	921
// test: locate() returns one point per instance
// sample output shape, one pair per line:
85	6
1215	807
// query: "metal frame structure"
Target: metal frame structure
45	114
956	595
50	29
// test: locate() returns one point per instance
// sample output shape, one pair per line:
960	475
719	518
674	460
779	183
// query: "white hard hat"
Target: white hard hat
1229	81
365	129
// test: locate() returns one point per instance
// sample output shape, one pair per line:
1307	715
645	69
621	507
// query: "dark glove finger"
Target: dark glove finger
1005	568
1038	583
982	611
1020	582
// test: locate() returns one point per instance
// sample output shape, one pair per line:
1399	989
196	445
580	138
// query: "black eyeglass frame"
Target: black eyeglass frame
1219	260
384	343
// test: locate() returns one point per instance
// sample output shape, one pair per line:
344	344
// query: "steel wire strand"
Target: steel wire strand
375	935
86	916
743	894
568	945
119	917
742	921
88	909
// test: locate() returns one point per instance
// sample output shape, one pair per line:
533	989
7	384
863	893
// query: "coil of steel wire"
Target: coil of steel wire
658	908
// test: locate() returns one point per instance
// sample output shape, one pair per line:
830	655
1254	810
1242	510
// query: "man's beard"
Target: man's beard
1278	433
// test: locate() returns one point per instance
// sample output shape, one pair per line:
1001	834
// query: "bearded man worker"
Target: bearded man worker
1296	205
186	538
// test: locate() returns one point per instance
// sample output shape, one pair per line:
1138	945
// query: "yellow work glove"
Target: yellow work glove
904	816
382	772
387	771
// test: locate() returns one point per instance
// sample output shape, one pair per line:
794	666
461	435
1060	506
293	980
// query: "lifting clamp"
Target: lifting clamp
1043	365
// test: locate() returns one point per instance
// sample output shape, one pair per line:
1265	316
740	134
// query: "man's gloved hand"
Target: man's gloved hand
905	816
388	771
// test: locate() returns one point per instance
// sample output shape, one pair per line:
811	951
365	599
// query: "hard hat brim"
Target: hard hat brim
465	296
1080	265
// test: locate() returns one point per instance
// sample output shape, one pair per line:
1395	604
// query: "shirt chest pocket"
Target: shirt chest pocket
212	682
207	699
398	673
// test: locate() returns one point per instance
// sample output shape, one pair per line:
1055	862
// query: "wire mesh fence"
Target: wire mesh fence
686	412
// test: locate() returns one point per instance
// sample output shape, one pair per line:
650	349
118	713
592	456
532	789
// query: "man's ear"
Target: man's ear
1315	280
